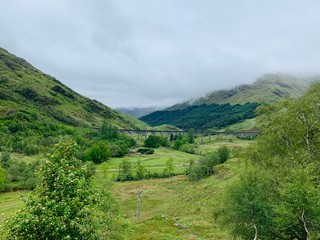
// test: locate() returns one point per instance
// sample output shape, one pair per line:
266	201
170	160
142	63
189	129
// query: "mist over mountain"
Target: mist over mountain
223	108
266	89
137	112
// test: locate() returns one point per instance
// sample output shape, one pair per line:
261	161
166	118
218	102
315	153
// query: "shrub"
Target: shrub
145	150
98	153
156	141
223	153
61	206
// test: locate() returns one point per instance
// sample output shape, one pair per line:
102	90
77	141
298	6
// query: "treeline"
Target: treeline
25	133
138	171
30	134
184	143
203	116
277	196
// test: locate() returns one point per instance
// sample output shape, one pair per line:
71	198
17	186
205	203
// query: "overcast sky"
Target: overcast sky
161	52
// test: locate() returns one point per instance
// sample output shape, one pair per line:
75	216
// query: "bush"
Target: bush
125	171
3	179
61	207
202	168
223	153
31	149
145	150
155	141
98	153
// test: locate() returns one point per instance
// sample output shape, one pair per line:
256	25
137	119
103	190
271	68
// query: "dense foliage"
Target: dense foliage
278	196
154	141
204	166
62	205
203	116
18	174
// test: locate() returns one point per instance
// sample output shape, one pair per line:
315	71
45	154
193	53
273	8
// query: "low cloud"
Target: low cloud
144	53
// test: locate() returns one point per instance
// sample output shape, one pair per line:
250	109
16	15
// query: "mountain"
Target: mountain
223	108
137	112
30	93
266	89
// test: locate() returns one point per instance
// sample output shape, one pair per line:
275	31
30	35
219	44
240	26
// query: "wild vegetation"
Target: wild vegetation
202	117
277	196
267	188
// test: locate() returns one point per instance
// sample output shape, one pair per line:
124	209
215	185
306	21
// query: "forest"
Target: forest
202	117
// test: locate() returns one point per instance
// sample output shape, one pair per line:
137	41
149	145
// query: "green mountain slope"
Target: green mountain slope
221	109
268	88
26	90
203	117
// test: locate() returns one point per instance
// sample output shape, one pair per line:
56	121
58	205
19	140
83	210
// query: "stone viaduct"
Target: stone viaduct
201	134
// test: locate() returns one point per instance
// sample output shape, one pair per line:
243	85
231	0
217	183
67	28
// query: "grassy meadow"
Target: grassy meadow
171	208
175	208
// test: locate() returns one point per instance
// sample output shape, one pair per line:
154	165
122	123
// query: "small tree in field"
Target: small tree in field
61	206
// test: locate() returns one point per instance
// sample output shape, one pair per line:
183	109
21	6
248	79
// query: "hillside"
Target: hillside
27	91
221	109
203	117
266	89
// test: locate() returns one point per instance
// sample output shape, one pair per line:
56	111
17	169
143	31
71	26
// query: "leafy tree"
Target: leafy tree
98	153
169	170
288	153
108	131
191	136
153	141
125	171
141	170
61	206
248	210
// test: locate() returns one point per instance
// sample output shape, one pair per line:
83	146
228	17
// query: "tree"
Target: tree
98	153
153	141
61	205
125	171
247	208
191	136
141	170
286	157
169	170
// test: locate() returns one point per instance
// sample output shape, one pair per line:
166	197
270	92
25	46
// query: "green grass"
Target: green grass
246	125
171	208
212	146
9	203
155	162
175	208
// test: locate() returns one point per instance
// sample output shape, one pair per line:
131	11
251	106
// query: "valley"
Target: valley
79	171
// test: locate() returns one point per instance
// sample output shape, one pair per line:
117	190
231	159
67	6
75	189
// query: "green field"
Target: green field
171	208
175	208
9	203
157	161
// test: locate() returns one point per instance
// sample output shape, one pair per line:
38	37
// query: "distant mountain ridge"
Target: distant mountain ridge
27	90
266	89
137	112
223	108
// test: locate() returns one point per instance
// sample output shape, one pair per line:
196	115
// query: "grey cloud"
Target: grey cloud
131	53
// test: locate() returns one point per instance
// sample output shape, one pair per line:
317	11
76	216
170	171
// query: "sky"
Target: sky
143	53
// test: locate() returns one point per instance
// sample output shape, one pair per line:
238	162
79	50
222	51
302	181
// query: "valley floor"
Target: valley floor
175	208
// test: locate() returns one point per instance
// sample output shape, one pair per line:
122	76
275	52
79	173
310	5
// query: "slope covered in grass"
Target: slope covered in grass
27	91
